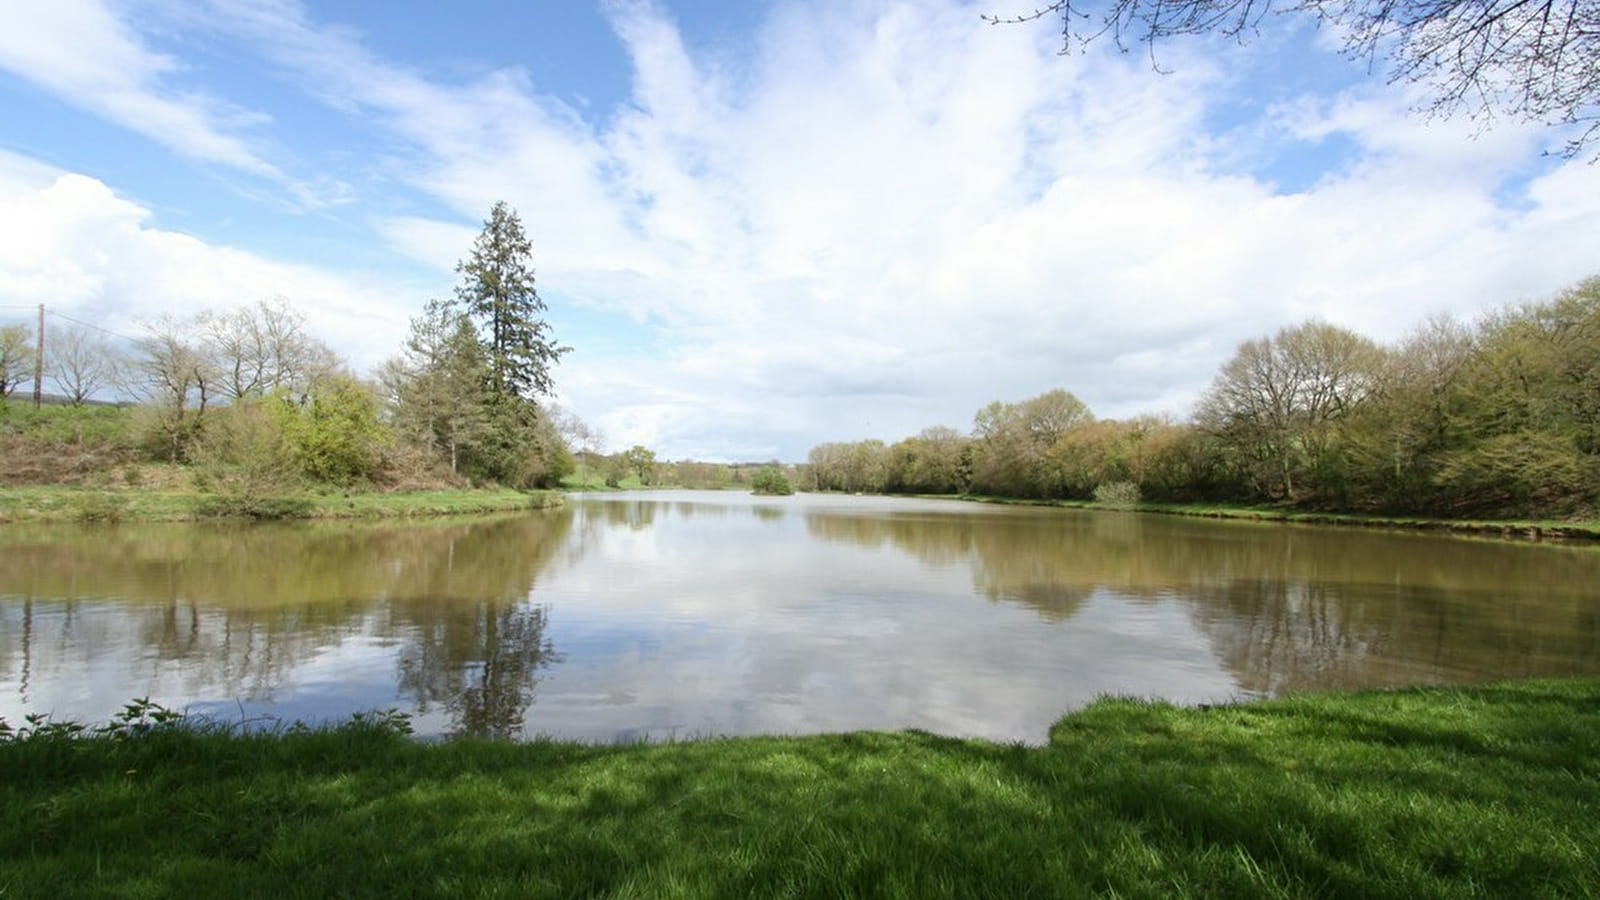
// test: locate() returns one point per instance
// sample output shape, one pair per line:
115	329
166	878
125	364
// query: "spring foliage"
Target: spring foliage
1501	417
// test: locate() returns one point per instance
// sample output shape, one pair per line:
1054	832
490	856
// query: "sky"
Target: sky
766	225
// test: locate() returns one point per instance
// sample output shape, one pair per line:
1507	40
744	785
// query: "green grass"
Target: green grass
63	503
428	503
1486	792
596	483
1586	529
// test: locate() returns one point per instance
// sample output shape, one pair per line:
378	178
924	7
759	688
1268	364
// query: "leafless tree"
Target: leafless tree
1533	61
80	362
171	372
580	437
258	349
16	358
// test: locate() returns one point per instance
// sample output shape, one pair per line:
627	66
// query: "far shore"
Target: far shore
1527	529
178	503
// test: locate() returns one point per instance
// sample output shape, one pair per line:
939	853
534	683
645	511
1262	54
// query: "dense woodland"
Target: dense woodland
1501	416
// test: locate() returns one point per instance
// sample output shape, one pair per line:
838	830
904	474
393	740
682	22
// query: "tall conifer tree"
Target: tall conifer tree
497	291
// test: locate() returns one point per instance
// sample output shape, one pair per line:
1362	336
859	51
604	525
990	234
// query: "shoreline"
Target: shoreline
88	505
1515	529
63	504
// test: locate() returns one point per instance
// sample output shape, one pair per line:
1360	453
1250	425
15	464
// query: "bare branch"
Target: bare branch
1532	60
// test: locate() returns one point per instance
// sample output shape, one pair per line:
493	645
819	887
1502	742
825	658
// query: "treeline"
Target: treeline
1498	417
259	407
638	467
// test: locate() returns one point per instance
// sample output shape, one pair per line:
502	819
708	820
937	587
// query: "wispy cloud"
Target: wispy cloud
83	53
873	217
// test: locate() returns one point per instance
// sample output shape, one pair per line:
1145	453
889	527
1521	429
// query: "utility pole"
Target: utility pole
38	363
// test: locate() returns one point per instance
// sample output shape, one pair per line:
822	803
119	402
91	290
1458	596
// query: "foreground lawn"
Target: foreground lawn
1486	792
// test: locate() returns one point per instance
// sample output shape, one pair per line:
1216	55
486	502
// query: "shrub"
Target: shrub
769	481
335	434
246	465
99	509
1117	494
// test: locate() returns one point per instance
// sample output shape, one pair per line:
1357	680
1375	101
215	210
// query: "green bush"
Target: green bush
240	506
769	481
246	465
1117	494
336	434
99	509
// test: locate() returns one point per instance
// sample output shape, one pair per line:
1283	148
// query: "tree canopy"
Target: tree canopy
1533	61
497	291
465	387
1499	417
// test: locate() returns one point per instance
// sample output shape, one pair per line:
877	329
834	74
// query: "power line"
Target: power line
73	319
59	315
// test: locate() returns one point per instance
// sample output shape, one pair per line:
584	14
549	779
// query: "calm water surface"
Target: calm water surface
692	613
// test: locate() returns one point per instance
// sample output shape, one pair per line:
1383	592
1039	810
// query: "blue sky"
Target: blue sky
762	225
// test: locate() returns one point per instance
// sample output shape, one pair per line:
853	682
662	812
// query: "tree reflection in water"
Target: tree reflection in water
230	612
453	618
480	663
1285	608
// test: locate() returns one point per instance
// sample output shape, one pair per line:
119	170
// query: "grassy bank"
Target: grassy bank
1537	529
65	503
1485	792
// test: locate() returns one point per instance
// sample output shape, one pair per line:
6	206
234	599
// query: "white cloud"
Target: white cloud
68	241
877	217
82	52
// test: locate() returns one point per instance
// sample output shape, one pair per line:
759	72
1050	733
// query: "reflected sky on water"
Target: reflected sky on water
682	614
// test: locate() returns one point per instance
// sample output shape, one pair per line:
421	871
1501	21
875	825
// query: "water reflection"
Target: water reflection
211	612
1286	608
693	613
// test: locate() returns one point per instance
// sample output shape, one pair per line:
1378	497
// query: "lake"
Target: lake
683	614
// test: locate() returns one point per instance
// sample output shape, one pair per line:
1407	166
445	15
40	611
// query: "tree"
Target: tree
439	386
16	358
577	434
255	350
769	481
80	362
1524	410
1014	439
929	462
1276	403
1400	435
497	291
246	463
1534	61
641	460
171	372
855	467
335	432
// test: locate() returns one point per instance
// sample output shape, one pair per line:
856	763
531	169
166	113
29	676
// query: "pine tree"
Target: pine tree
440	387
497	291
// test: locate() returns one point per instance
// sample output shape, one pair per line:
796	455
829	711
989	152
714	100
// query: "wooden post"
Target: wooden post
38	363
